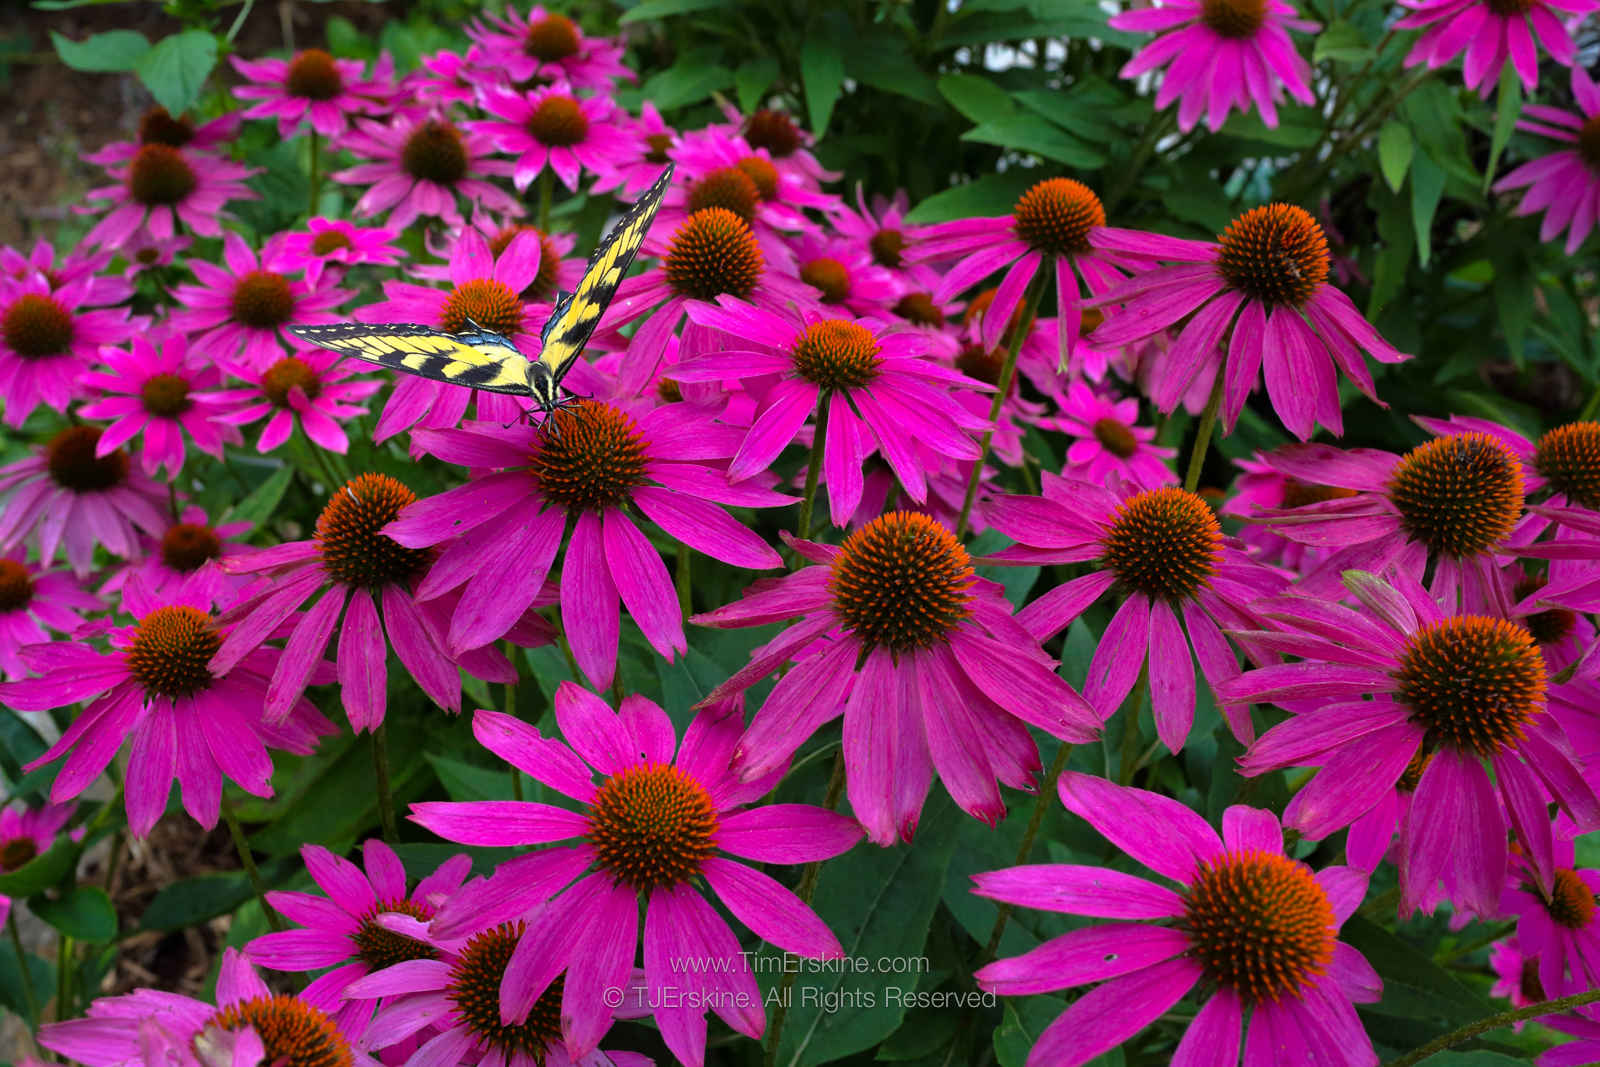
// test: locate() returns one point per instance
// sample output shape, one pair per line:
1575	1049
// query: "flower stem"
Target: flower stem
1008	372
29	997
814	469
316	175
63	978
806	889
380	765
248	862
1202	440
1141	156
1495	1022
546	180
1041	804
683	577
1130	726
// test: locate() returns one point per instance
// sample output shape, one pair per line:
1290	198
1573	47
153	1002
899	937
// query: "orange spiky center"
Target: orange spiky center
552	38
713	252
166	395
329	241
474	989
919	308
543	286
188	546
1458	495
262	300
829	277
1164	543
350	536
292	1032
1569	459
1571	902
37	326
726	187
1057	215
902	582
286	373
558	121
488	303
652	826
70	459
837	354
1115	437
1472	682
379	947
591	457
170	650
1275	254
1259	924
435	152
314	76
774	131
159	176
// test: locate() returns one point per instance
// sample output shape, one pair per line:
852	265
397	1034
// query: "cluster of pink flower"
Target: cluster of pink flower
1421	619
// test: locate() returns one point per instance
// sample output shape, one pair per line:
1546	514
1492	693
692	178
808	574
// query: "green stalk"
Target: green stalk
1130	726
1495	1022
546	182
29	997
683	577
380	764
63	978
1141	156
1041	804
248	862
814	469
1208	422
1008	372
316	175
806	889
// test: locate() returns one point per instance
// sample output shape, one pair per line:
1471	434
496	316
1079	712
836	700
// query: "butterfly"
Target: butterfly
481	358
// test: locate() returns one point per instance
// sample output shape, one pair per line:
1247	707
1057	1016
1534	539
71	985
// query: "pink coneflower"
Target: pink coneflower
155	389
486	288
1270	269
1223	55
883	231
559	271
342	930
26	833
246	309
783	141
1054	225
326	242
1491	34
48	338
653	141
73	266
312	87
185	558
1260	931
1108	438
1564	462
899	636
551	127
1455	502
1516	976
718	168
448	1006
712	254
33	602
420	165
1565	184
162	187
844	274
250	1026
184	720
312	389
144	252
880	393
591	463
67	496
1556	918
358	574
543	46
1260	490
651	828
1404	681
1163	550
157	126
448	77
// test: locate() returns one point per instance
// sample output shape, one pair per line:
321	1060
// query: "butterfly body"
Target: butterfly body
480	358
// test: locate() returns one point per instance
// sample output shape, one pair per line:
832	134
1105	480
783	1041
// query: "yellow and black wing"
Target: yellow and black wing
576	316
476	358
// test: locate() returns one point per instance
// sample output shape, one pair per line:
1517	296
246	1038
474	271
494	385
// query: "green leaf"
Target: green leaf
822	72
1509	106
468	781
263	500
1514	292
1078	112
1479	1058
1341	42
884	61
1414	986
752	80
992	194
1395	149
176	67
687	81
979	99
205	896
1427	188
879	901
656	9
42	872
1029	133
118	50
19	744
84	913
12	994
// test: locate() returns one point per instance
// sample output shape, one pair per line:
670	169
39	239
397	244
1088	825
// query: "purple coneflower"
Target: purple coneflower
592	463
183	719
248	1027
48	338
543	46
651	829
163	186
419	166
551	127
899	636
1260	931
312	87
1222	54
1164	551
844	274
158	126
1492	33
342	930
313	389
184	560
73	266
1108	439
1257	302
1557	929
154	388
68	496
25	834
326	242
367	585
867	382
33	602
1404	681
1566	183
653	140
